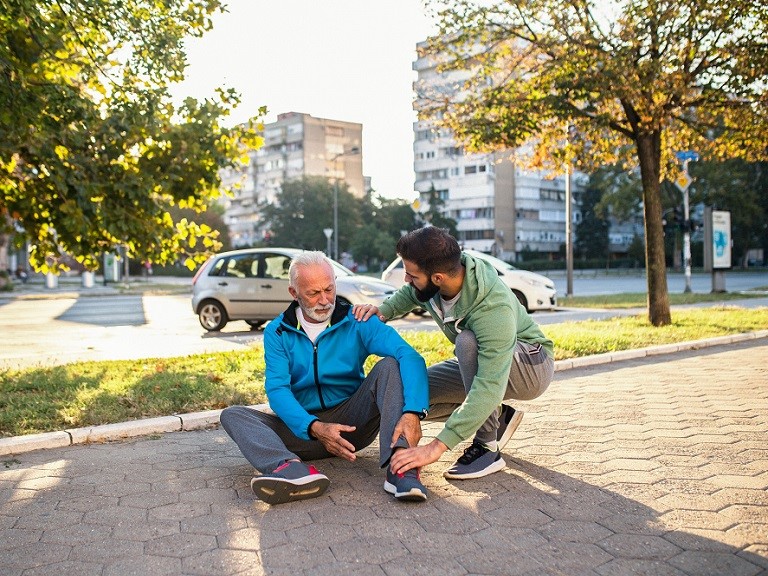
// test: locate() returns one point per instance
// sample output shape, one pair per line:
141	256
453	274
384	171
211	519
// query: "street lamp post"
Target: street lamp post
683	182
351	152
569	134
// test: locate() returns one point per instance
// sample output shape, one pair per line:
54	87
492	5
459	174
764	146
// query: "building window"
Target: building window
527	214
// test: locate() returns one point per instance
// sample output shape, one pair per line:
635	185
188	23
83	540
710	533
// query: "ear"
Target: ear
293	293
438	278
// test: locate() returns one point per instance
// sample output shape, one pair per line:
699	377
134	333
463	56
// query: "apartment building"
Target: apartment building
295	145
500	208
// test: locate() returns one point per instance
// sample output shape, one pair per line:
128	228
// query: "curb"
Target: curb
201	420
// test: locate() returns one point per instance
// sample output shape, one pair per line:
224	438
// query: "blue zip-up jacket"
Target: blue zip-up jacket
303	377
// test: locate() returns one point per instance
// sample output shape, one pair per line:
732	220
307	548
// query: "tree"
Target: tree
384	220
304	206
592	230
372	245
93	153
435	213
591	82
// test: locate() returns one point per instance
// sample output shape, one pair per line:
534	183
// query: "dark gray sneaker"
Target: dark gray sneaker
406	487
509	420
288	482
476	462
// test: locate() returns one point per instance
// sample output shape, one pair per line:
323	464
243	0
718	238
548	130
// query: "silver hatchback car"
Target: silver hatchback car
252	285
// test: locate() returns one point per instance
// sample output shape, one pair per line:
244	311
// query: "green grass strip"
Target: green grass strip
92	393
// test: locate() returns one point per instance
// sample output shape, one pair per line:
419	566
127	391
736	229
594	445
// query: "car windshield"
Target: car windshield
341	270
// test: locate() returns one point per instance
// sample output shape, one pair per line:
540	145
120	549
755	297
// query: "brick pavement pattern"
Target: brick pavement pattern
653	466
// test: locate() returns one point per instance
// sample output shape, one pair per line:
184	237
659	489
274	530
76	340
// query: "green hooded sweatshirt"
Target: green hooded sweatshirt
488	308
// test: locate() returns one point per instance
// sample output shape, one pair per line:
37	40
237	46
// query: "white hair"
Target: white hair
312	258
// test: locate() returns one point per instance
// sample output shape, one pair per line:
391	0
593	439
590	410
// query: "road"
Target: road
56	331
597	283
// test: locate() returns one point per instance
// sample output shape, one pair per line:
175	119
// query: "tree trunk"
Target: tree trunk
4	280
648	151
5	241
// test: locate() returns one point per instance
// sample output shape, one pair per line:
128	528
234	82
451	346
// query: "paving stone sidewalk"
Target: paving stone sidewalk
655	465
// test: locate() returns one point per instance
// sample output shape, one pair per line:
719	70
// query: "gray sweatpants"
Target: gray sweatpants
450	381
375	408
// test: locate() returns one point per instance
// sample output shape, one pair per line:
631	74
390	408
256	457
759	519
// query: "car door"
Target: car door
272	280
238	285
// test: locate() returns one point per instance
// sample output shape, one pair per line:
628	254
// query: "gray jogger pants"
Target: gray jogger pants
375	408
449	381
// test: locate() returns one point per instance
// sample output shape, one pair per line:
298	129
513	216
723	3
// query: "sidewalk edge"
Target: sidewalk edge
200	420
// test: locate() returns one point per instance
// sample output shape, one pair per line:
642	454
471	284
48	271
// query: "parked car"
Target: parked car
252	285
534	291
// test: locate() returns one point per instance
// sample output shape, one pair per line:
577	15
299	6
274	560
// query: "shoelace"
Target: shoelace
472	453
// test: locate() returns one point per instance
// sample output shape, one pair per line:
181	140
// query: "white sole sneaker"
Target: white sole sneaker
495	466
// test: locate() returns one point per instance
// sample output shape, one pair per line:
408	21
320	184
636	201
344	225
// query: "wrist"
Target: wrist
309	429
438	446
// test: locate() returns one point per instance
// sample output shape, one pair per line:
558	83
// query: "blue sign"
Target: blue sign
687	155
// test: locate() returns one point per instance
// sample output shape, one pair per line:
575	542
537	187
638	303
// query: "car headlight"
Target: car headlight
539	283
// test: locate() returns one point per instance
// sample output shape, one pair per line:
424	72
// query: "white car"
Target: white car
252	285
534	291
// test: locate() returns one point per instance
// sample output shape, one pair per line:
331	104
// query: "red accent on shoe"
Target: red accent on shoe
283	465
418	475
313	470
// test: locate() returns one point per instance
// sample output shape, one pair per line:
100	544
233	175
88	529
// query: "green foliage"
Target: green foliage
368	227
93	152
384	220
592	230
435	213
638	299
576	339
741	188
304	207
93	393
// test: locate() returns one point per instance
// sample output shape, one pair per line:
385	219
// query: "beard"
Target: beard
427	293
318	313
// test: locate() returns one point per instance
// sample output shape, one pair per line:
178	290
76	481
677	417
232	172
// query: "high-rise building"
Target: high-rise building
295	145
499	207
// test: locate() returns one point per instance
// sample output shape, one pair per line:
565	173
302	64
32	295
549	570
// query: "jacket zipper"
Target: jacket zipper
317	377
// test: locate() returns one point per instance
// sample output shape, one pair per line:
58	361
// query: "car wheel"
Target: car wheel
255	324
212	315
522	299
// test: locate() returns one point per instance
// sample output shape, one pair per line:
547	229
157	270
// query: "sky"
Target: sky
345	60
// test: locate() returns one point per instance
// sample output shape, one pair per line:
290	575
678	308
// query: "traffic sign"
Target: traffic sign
683	181
687	155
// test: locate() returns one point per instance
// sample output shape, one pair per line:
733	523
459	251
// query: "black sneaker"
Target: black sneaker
476	462
509	420
291	481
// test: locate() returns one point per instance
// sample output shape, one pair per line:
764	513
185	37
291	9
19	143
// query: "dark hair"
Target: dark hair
431	249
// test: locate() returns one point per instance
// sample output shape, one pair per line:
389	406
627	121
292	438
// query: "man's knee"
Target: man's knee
466	345
386	365
230	415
